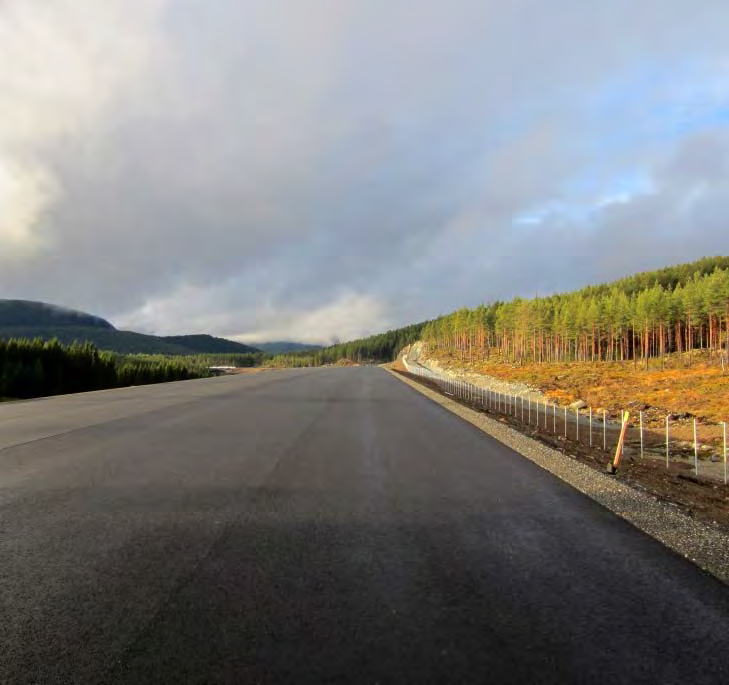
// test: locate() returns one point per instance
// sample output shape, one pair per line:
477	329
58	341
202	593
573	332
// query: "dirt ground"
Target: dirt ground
700	497
687	387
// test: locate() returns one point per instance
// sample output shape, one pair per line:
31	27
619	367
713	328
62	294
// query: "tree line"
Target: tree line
674	310
37	368
372	349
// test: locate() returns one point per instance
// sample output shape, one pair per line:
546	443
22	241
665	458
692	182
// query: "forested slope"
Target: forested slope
36	368
676	309
382	347
23	319
26	313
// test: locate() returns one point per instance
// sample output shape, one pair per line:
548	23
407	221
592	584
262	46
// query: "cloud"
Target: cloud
25	193
256	168
204	309
62	67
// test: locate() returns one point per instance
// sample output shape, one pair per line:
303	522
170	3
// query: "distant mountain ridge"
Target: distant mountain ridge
21	313
286	347
29	319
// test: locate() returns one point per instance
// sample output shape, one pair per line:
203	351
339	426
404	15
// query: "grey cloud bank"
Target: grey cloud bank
321	169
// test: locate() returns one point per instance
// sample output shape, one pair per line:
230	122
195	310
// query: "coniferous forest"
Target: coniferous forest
36	368
678	309
375	348
674	310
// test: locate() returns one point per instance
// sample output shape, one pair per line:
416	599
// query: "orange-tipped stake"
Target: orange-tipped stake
613	468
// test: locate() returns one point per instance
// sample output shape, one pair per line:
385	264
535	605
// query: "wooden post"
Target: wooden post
612	468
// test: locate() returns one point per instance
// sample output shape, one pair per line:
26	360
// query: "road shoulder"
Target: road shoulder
698	542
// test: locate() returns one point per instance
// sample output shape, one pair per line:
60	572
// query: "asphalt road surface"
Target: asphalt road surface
320	526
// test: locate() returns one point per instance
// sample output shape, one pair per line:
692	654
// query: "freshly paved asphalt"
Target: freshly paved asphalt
328	526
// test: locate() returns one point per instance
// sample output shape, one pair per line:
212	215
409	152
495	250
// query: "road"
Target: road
320	526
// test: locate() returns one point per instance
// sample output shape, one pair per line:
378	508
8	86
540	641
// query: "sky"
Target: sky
321	170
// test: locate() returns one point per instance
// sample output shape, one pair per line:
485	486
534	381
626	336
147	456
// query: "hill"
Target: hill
382	347
23	313
658	340
286	347
638	318
26	319
209	344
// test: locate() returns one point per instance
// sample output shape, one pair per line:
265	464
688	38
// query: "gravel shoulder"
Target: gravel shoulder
705	545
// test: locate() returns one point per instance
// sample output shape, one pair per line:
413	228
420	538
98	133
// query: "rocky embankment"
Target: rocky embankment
417	354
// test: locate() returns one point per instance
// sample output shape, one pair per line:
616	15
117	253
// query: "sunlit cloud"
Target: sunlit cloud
322	169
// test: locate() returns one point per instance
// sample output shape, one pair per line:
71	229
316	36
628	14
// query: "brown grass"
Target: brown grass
698	390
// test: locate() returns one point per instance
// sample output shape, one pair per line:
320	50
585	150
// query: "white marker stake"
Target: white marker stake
696	451
604	430
641	434
565	422
668	416
522	408
555	420
590	426
725	481
577	424
530	411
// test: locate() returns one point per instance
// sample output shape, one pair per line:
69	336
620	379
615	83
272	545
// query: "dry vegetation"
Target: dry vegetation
685	388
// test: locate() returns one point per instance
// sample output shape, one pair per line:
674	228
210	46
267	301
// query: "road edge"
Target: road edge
694	540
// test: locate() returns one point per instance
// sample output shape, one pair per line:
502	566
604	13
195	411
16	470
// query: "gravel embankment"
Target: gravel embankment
414	353
707	547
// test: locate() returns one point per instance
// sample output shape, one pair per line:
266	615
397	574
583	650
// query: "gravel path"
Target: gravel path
707	547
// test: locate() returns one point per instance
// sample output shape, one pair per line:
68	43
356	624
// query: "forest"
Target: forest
382	347
37	368
649	315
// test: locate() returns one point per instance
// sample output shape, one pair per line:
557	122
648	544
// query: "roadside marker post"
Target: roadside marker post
696	451
641	435
604	430
565	422
590	426
577	424
554	421
612	468
668	418
725	479
530	410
